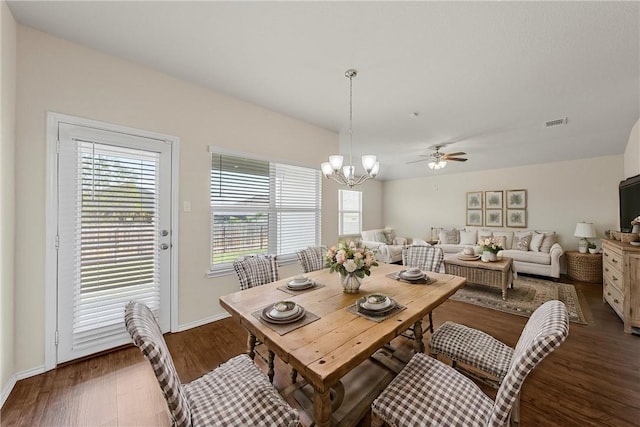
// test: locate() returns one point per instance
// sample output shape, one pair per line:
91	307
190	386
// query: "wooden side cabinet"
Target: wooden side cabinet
621	282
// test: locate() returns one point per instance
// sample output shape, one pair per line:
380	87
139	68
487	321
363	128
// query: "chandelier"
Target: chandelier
437	164
346	175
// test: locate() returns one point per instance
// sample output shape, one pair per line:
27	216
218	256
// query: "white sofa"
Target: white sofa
384	243
541	257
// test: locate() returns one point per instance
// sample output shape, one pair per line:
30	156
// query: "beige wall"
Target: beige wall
632	152
558	195
54	75
7	192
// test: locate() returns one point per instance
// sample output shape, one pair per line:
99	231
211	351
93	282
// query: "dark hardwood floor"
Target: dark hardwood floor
593	379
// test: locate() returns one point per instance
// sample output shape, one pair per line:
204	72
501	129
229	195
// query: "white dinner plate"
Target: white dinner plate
294	284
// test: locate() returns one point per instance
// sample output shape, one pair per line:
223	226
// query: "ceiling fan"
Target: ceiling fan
438	160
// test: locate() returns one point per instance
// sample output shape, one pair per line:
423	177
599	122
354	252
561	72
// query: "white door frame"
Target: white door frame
51	218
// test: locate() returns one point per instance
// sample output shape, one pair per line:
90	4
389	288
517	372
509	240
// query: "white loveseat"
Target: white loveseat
542	255
384	243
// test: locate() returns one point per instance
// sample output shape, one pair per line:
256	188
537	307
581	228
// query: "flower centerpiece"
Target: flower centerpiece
352	261
490	247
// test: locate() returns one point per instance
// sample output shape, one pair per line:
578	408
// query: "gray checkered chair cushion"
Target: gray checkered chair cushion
472	347
256	270
236	393
311	259
430	393
427	258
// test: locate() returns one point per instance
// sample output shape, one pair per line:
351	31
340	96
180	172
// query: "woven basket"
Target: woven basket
628	237
615	235
585	268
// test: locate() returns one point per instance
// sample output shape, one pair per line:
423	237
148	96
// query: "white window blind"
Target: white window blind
115	231
261	207
349	212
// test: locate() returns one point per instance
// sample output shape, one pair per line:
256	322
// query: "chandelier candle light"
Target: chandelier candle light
346	175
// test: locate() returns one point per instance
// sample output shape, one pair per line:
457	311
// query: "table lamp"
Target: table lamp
584	230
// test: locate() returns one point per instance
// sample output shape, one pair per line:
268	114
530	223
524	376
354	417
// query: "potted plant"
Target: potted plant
592	247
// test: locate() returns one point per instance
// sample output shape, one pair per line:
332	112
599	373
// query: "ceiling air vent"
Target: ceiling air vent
556	122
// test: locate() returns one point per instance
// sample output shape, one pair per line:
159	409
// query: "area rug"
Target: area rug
527	294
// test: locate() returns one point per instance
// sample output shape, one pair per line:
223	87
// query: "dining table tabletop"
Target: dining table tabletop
333	337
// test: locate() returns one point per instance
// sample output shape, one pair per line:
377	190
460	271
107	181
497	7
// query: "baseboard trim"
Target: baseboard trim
201	322
6	391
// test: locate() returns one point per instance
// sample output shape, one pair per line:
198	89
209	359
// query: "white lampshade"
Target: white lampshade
368	162
349	171
327	170
585	229
432	165
375	169
336	162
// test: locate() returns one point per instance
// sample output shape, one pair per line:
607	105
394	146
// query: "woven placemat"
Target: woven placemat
285	328
397	309
425	281
315	286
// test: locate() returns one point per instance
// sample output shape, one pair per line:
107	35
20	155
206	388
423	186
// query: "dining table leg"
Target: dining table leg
417	333
322	407
251	346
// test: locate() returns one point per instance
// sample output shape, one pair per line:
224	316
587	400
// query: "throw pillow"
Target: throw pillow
508	238
390	236
521	243
536	242
380	237
484	235
468	237
450	237
548	241
500	241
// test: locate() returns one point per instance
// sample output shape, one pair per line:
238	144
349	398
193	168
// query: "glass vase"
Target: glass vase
350	283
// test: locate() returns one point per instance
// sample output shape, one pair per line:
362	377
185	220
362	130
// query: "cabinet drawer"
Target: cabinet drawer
614	276
614	297
614	259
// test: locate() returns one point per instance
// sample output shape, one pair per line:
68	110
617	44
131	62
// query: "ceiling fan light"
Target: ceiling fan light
443	163
336	162
368	162
432	165
327	170
375	169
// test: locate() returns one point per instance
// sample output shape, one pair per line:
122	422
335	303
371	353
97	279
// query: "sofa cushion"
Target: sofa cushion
527	256
468	237
521	241
548	241
508	238
450	236
389	236
484	235
536	242
450	248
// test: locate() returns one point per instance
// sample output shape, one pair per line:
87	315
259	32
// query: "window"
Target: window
261	207
350	212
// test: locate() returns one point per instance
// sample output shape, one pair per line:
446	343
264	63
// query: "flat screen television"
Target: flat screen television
629	202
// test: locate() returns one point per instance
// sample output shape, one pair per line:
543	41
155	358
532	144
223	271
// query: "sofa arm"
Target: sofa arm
556	252
400	241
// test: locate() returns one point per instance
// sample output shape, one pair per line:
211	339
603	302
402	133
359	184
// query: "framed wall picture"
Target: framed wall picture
517	218
516	199
493	199
493	218
474	200
474	217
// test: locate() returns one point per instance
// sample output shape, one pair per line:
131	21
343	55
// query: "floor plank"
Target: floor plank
593	379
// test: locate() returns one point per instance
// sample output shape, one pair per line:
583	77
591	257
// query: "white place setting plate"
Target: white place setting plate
376	302
283	312
411	275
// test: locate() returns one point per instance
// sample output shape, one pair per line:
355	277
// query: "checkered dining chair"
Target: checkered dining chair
428	258
252	271
312	258
235	393
428	392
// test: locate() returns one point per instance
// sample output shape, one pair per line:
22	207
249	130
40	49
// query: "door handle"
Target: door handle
164	246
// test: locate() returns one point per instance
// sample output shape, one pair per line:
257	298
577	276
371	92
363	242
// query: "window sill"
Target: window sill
225	270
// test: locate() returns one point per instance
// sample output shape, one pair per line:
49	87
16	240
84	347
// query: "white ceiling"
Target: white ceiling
484	75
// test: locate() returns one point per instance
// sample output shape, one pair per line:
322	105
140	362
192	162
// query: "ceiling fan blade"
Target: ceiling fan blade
459	153
454	159
416	161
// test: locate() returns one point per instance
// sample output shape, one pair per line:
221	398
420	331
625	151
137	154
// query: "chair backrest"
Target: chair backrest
428	257
311	259
545	330
256	270
147	336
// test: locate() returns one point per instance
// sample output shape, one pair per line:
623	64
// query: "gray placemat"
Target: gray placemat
396	276
315	286
397	309
285	328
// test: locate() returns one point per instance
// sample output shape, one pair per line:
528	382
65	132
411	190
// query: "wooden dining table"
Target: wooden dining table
326	349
